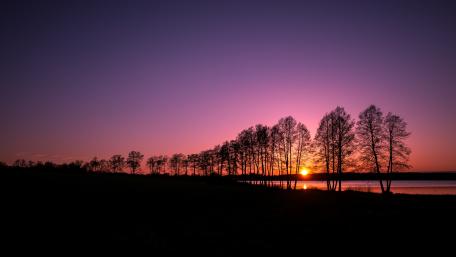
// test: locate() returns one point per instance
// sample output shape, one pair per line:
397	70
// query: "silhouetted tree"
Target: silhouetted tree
398	151
288	130
302	148
134	161
261	147
323	146
161	164
77	164
244	138
205	162
104	165
94	165
344	135
233	160
370	132
49	165
193	161
176	162
334	144
117	163
20	163
249	144
74	166
185	164
217	159
224	157
275	137
152	164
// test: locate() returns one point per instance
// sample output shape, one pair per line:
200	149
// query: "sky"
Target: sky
95	78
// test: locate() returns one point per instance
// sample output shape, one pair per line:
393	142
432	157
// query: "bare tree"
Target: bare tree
222	154
370	133
323	146
302	147
162	162
94	165
185	164
334	144
152	164
398	151
104	165
176	162
20	163
156	163
248	137
244	139
287	126
234	153
76	165
274	151
204	161
117	163
261	146
134	161
193	162
343	125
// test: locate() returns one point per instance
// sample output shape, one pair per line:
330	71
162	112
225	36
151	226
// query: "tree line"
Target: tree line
375	142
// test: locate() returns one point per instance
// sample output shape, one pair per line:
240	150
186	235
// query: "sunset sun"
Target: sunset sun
304	172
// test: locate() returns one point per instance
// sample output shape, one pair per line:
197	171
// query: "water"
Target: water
422	187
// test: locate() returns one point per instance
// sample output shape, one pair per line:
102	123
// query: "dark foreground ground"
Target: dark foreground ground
49	211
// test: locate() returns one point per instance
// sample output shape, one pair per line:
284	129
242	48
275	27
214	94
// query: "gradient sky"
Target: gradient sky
94	78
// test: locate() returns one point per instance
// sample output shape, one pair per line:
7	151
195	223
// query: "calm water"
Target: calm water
431	187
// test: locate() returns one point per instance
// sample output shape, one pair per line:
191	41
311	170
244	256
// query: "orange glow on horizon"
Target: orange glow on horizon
304	172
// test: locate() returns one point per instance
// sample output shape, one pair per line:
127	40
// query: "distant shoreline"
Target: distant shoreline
361	176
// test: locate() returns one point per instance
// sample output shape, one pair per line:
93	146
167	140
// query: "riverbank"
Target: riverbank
213	215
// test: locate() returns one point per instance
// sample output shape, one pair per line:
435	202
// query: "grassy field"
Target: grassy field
50	210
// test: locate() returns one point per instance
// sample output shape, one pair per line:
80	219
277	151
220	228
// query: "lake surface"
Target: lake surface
426	187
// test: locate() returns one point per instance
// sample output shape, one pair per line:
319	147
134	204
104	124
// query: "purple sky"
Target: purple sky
96	78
